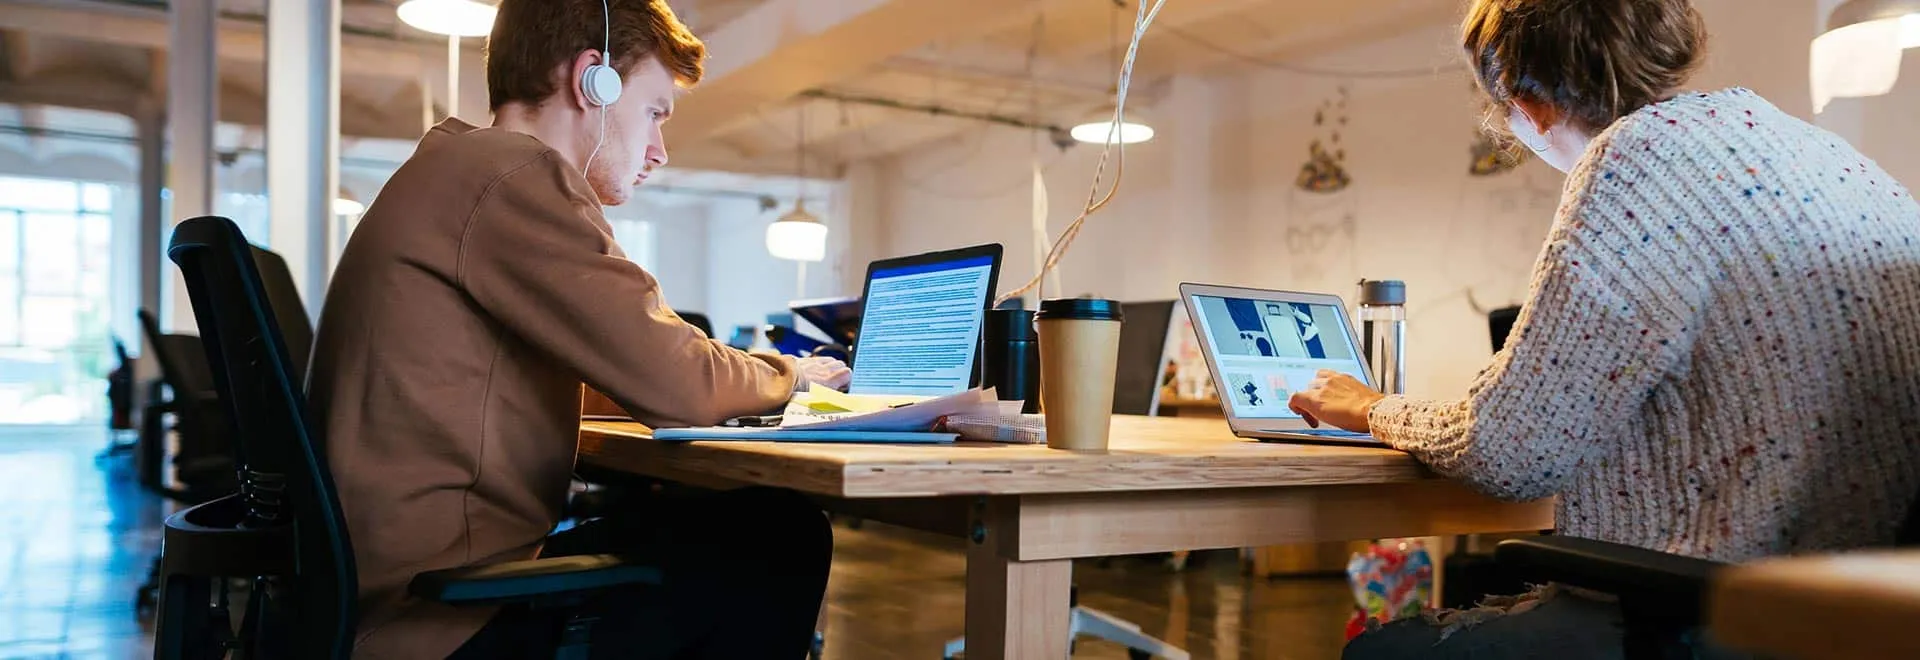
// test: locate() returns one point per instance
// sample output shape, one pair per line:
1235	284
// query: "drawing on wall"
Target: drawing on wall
1320	237
1492	156
1326	168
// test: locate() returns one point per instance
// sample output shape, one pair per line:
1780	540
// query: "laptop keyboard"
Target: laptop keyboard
1332	433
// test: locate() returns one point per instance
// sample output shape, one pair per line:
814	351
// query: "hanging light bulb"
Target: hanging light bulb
798	235
458	18
1859	55
1097	129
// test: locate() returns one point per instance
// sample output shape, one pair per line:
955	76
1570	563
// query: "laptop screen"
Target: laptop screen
921	327
1265	350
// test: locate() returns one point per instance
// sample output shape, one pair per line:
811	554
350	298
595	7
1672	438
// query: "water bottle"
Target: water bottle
1383	332
1010	357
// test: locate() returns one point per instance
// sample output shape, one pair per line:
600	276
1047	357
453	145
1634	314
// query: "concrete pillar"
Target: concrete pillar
150	122
1187	125
193	86
303	137
151	126
859	223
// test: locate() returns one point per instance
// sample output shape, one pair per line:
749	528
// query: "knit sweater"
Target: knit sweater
1719	355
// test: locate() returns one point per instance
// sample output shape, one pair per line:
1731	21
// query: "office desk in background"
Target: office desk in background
1853	606
1028	511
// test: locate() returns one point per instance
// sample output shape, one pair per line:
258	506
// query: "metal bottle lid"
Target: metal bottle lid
1383	292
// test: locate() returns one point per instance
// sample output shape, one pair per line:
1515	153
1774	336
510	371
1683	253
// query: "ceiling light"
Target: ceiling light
1859	55
458	18
345	206
798	235
1098	127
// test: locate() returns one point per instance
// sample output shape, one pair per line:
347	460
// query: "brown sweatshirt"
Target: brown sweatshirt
478	293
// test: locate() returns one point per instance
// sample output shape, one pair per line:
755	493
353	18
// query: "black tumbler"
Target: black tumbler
1011	355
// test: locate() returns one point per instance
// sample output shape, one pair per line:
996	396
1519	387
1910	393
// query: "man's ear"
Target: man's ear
1543	115
576	70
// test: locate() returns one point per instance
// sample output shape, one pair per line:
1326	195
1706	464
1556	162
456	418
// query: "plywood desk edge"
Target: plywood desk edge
895	471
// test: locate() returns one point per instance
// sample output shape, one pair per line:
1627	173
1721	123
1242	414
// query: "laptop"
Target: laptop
921	320
1263	346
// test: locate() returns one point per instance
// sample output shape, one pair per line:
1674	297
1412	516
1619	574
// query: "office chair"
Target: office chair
1662	596
204	465
697	320
284	530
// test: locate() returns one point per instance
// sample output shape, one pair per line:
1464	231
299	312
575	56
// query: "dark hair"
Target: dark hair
1595	60
533	38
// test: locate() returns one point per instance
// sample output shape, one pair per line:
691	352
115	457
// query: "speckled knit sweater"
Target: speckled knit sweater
1719	355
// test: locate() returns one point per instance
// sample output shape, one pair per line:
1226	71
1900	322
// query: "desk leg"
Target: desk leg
1016	610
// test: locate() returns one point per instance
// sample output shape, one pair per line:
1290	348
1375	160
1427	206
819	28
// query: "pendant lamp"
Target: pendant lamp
1859	54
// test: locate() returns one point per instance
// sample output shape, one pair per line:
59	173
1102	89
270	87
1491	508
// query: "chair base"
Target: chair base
1101	625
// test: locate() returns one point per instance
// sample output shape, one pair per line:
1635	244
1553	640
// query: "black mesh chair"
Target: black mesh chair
1662	596
284	531
203	466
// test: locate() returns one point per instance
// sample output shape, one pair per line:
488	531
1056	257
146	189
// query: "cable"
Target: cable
1427	72
606	56
1143	17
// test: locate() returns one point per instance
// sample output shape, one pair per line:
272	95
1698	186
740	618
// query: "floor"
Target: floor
77	538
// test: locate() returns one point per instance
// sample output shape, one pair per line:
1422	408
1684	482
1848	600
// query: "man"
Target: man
479	292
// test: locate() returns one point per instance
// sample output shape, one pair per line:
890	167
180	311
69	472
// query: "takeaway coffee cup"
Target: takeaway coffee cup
1079	347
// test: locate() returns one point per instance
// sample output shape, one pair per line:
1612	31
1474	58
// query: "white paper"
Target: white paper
921	416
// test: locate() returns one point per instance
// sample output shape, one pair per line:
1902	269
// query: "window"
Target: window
636	239
55	271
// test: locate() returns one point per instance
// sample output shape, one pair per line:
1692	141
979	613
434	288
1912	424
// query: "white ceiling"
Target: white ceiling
1043	61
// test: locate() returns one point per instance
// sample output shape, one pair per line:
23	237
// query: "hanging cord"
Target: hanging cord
1143	17
1424	72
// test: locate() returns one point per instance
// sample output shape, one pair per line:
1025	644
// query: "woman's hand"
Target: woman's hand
1336	399
822	371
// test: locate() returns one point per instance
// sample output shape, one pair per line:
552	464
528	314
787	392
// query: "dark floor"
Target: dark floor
76	540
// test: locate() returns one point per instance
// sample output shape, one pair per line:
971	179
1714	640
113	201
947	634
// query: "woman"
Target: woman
1720	351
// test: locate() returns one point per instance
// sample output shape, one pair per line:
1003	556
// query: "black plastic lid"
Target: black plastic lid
1080	309
1010	325
1383	292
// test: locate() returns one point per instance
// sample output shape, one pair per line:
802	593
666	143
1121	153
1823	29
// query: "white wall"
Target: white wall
1213	199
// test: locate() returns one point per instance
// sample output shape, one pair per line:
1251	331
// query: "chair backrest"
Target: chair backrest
284	475
1500	324
183	359
1143	347
284	298
698	320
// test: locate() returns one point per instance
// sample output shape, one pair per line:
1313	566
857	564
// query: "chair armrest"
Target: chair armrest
556	578
1674	584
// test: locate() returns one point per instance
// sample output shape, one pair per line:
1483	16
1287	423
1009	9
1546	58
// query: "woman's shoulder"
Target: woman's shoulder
1693	120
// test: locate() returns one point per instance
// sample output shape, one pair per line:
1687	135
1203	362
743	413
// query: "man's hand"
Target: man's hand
825	372
1337	399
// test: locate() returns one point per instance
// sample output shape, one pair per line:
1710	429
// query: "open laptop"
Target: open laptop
920	322
1265	345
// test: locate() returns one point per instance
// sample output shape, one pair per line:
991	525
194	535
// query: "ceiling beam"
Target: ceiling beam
242	40
18	54
1074	44
1312	29
782	47
104	95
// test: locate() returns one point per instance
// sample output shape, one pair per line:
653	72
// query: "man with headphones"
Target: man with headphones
477	294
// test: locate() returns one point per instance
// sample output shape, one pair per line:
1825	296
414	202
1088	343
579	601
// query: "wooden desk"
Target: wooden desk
1855	606
1165	484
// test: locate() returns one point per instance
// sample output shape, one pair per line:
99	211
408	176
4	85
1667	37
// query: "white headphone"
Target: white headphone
601	83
